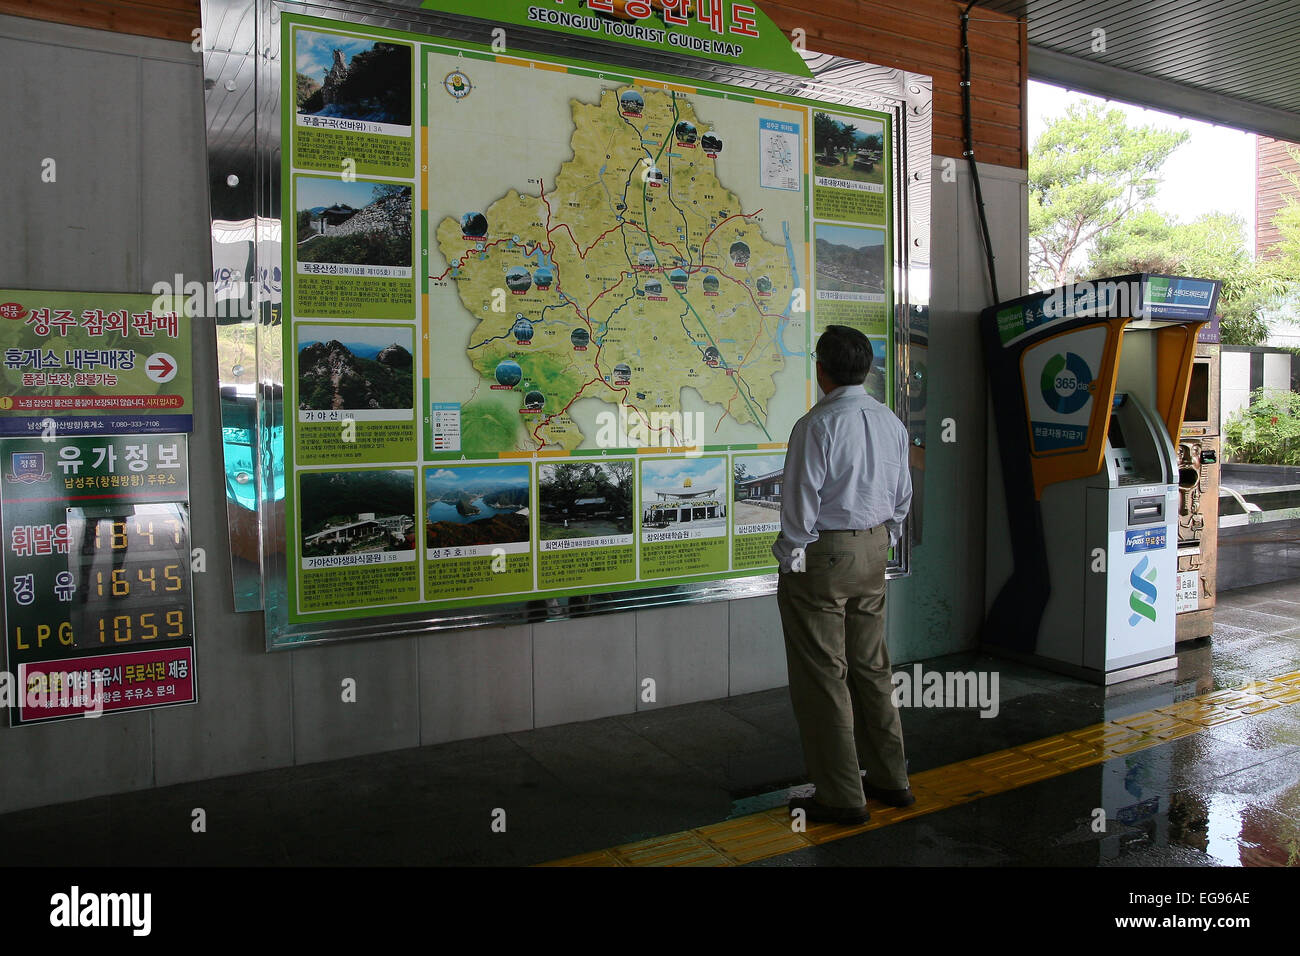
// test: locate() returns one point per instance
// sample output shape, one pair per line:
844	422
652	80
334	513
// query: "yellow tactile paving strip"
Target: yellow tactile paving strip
768	834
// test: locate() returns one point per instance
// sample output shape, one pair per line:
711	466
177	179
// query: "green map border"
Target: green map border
579	67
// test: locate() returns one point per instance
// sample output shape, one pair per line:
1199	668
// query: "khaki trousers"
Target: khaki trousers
833	616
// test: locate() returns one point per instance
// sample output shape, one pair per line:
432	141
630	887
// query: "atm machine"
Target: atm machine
1198	511
1089	385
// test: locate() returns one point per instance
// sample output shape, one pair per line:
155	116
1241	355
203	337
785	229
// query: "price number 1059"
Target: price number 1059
146	626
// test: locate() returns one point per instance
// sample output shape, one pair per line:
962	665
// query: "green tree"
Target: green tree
1287	222
305	87
1088	171
846	140
620	488
1212	246
1267	431
824	130
565	485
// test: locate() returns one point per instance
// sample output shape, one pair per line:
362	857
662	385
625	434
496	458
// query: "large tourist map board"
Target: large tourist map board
548	322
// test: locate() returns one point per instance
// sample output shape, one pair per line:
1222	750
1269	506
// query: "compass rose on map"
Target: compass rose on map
458	84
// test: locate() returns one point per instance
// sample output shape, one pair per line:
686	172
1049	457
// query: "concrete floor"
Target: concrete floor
1227	796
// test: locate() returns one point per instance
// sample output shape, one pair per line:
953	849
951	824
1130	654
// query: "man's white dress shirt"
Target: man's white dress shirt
846	469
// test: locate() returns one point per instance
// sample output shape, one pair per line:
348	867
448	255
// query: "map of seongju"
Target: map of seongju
640	276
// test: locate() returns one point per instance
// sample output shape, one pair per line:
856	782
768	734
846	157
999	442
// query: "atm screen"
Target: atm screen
1116	434
1198	395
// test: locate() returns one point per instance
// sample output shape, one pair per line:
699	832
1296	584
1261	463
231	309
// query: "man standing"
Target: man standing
846	492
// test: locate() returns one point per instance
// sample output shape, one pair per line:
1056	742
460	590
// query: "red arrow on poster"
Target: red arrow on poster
160	367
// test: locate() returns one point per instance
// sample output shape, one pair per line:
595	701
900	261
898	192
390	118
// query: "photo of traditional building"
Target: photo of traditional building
761	487
519	279
586	499
330	219
350	512
352	222
757	481
367	527
681	505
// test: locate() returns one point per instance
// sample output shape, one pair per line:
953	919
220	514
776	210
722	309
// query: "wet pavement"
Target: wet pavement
1228	795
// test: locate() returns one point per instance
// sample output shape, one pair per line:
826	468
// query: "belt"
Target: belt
879	527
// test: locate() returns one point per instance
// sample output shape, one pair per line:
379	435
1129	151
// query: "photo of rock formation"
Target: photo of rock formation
353	79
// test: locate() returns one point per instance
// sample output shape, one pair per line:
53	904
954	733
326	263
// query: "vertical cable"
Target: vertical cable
968	145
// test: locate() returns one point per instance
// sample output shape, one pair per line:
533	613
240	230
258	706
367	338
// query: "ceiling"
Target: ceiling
1233	62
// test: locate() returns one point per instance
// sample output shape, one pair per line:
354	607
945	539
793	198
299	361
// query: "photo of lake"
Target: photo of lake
476	508
476	505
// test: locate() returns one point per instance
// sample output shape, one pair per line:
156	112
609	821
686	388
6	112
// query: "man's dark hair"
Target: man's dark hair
844	354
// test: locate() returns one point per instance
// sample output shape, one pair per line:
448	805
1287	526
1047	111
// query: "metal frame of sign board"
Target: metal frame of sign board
242	76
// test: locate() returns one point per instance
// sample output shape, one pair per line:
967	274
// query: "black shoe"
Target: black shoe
817	813
895	798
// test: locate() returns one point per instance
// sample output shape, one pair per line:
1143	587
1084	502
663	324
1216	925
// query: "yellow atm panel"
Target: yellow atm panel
1089	387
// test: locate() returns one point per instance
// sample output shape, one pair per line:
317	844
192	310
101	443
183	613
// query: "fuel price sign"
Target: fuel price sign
99	605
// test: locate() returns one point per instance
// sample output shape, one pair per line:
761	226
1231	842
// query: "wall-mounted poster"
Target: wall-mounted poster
90	363
551	327
99	611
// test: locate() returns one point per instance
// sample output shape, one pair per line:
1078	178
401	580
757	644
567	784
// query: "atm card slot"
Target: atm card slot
1148	510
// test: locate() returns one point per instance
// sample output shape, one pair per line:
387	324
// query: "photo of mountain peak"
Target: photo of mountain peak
363	372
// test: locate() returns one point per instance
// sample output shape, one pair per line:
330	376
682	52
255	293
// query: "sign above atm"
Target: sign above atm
1172	297
1139	297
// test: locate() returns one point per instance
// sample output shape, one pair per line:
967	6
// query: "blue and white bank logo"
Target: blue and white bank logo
1142	599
